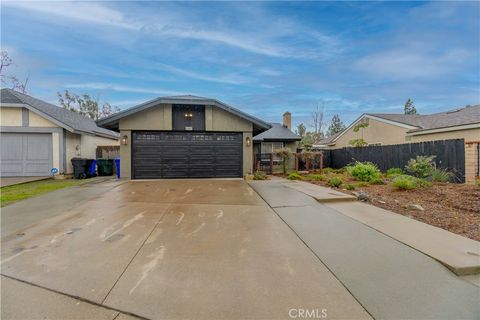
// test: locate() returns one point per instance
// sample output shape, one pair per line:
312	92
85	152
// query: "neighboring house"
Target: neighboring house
37	136
387	129
185	137
277	137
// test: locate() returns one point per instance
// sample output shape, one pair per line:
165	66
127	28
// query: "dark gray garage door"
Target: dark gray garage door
186	155
26	154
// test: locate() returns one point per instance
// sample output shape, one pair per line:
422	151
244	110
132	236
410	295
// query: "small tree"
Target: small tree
360	142
9	79
336	125
285	154
409	108
301	130
86	105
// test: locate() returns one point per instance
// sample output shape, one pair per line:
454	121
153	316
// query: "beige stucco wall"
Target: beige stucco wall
72	140
36	120
56	151
90	143
126	155
11	116
217	119
155	118
376	132
468	135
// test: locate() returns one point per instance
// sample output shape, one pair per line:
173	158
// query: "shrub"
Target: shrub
376	180
259	175
364	171
393	172
360	184
441	175
315	177
406	182
294	176
349	186
421	166
335	182
285	154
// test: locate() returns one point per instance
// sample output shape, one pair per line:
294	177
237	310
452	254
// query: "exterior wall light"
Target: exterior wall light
188	115
248	141
125	140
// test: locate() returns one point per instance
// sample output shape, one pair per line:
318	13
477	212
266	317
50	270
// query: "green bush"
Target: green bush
259	175
360	184
315	177
335	182
377	180
349	186
393	172
294	176
406	182
441	175
421	166
364	171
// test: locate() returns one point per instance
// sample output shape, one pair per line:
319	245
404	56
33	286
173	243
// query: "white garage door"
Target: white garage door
26	154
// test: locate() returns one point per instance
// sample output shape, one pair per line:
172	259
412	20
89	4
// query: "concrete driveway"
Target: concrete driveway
174	249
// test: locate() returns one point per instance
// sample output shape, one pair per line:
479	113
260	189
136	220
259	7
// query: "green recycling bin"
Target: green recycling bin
105	167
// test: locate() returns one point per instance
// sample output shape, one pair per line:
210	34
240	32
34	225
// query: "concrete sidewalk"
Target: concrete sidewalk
391	280
39	303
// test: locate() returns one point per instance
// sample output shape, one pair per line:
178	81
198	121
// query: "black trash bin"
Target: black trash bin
81	168
105	167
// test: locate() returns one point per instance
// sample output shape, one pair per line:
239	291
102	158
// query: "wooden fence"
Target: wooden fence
450	155
108	152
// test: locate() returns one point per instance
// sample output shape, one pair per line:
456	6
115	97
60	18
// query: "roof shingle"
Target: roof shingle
69	118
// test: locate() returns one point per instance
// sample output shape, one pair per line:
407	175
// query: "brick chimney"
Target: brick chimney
287	120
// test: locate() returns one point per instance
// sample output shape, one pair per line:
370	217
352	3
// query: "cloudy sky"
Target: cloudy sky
262	57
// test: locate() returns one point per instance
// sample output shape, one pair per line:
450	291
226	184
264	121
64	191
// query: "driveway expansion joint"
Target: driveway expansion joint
77	298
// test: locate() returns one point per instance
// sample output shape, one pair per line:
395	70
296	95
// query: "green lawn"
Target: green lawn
11	194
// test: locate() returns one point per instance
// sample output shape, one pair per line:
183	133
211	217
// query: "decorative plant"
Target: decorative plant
259	175
335	182
358	143
441	175
294	176
365	171
421	166
285	154
308	157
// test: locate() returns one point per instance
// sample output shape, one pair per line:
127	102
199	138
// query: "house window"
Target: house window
271	147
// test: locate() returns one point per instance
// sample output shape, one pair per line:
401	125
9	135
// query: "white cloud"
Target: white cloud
410	63
229	78
121	88
82	11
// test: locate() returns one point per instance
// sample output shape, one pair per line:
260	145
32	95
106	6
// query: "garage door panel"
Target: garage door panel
11	146
187	155
26	154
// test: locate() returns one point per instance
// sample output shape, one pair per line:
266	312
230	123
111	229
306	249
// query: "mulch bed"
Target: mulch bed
453	207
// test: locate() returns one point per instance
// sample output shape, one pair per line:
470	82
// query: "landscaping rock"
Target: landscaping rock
415	207
362	196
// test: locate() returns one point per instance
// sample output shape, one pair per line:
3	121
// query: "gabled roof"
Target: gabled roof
112	121
418	124
64	118
278	132
456	117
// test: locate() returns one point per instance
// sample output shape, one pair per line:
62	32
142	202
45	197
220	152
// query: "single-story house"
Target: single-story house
388	129
279	136
185	137
37	136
